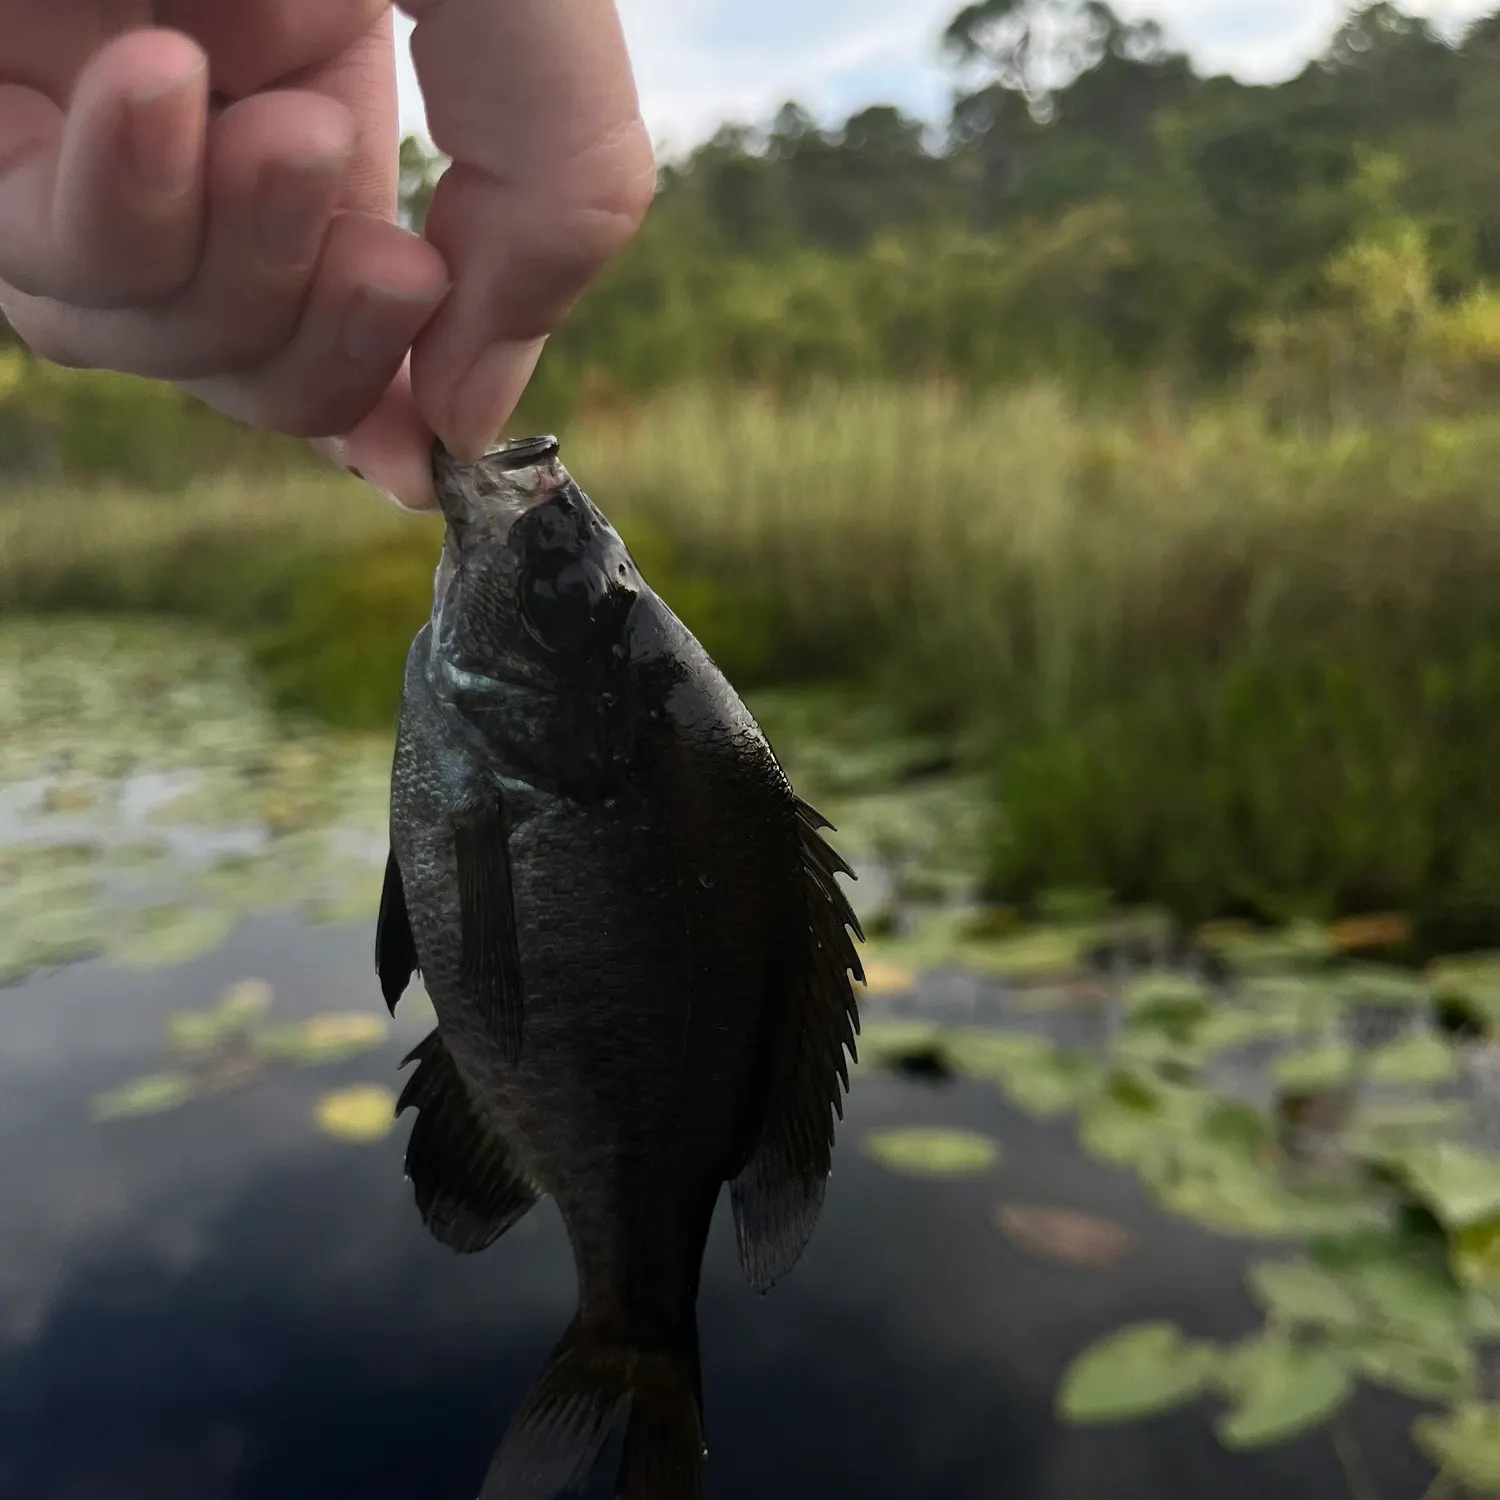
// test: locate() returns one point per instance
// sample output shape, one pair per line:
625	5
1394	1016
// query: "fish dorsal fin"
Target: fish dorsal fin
779	1193
490	960
395	947
469	1187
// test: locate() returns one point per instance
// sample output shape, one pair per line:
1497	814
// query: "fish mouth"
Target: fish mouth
510	478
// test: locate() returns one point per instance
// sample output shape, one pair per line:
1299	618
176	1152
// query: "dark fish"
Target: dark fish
638	952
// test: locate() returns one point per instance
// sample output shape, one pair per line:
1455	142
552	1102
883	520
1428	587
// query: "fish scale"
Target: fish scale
637	950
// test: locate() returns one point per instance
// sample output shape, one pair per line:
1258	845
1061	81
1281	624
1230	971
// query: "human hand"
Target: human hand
244	245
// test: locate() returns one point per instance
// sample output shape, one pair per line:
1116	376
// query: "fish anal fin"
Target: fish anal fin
778	1194
469	1188
490	956
395	947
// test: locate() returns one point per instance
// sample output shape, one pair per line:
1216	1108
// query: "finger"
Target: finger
377	286
553	170
391	449
254	46
103	207
275	175
362	78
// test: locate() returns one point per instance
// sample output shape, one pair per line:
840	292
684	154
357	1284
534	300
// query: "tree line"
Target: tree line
1092	207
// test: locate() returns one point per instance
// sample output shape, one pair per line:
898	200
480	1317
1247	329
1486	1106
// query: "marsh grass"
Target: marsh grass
1212	662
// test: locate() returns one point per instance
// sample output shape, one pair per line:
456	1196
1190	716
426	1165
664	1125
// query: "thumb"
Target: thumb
552	174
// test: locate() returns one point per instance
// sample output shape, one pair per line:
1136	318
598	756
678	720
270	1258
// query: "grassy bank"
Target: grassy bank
1237	671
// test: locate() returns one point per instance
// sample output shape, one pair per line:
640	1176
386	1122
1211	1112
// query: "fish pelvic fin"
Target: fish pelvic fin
395	947
778	1195
490	954
469	1188
587	1385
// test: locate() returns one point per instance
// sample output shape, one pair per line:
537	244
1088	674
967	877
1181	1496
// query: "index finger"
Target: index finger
535	102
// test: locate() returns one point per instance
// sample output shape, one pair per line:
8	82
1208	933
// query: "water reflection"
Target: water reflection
220	1302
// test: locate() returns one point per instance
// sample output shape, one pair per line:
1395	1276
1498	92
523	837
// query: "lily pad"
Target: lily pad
1317	1068
1140	1371
1294	1292
172	935
1421	1371
1466	1443
366	1112
1279	1390
922	1151
1460	1185
152	1095
324	1039
1420	1059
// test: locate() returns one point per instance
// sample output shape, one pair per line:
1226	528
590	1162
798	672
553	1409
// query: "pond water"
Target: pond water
222	1289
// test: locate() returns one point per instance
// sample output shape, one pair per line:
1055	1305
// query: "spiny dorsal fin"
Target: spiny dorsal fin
779	1193
469	1188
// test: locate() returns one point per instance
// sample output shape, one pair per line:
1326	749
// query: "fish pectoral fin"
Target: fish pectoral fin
778	1194
490	957
395	947
469	1188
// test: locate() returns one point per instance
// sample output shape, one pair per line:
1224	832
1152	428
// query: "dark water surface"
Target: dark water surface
221	1302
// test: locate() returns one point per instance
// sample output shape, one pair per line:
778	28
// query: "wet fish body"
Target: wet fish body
637	949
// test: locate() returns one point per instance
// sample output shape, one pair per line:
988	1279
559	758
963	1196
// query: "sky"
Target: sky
699	63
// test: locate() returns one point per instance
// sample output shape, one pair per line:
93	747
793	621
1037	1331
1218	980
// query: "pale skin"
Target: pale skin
204	192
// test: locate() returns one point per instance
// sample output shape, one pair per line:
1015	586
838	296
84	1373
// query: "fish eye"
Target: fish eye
561	598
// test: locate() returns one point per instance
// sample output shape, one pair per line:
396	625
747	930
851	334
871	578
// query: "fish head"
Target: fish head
531	604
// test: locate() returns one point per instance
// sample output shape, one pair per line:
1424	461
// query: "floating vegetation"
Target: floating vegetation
1320	1109
230	1046
1064	1235
366	1112
152	1095
148	800
931	1152
1140	1371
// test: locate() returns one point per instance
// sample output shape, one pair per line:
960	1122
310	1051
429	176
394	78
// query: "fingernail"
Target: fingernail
377	309
289	208
484	399
164	151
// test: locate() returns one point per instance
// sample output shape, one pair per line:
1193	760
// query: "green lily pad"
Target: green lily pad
921	1151
324	1039
1420	1059
1295	1292
996	1055
1418	1370
1466	1443
1140	1371
1054	1087
1316	1068
172	935
1459	1184
1279	1390
152	1095
882	1043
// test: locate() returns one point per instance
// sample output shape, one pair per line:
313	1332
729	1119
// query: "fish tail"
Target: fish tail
570	1413
663	1454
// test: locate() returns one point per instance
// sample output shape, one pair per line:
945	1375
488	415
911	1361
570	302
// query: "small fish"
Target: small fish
639	954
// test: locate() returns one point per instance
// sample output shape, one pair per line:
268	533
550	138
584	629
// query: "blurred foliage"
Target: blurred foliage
1131	437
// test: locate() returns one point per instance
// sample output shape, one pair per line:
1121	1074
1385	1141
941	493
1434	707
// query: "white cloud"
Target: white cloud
701	62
